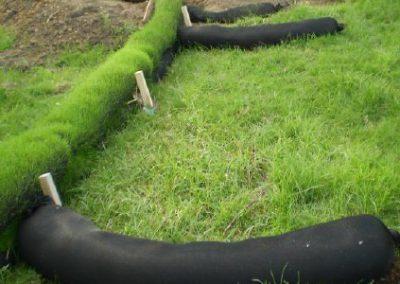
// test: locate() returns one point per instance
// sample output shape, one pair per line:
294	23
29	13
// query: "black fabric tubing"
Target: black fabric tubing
198	14
212	36
63	245
166	61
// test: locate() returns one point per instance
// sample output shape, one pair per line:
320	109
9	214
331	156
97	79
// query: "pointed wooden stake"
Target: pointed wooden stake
49	188
186	16
149	11
144	90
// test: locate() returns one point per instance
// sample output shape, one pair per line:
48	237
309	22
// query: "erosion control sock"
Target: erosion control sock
166	61
212	36
63	245
198	14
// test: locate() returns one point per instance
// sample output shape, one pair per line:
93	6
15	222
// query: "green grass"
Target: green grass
21	275
26	96
262	142
6	39
248	144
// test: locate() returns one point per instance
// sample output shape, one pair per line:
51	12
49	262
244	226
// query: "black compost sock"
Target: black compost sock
249	37
64	245
198	14
166	61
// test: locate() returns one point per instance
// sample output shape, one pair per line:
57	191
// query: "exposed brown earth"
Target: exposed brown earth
394	275
45	27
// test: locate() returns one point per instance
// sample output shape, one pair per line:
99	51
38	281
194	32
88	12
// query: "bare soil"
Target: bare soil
394	275
45	27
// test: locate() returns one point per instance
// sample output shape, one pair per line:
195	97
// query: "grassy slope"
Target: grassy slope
258	143
26	96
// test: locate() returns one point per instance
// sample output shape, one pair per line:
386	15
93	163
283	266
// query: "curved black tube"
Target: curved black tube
166	61
250	37
198	14
64	245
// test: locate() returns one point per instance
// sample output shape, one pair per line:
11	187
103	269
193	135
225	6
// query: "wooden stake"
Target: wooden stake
186	16
49	188
144	90
149	11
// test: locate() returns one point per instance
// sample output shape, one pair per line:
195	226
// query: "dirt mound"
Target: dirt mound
46	27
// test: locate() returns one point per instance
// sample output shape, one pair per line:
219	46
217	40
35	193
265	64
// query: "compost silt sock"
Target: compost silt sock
197	14
217	36
63	245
